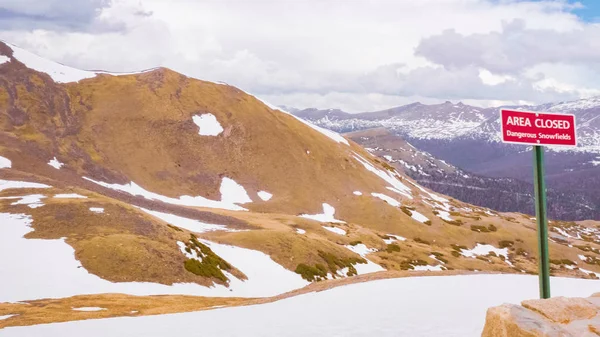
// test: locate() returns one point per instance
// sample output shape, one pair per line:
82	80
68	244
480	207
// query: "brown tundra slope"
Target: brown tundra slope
211	153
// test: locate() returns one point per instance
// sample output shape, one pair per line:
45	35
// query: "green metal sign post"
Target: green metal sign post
542	220
539	129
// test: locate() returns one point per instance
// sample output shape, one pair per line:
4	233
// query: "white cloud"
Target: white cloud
493	79
514	49
353	103
357	55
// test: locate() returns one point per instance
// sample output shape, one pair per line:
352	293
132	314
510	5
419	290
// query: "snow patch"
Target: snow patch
400	192
326	216
390	179
364	268
335	230
5	162
361	249
192	255
4	59
97	210
59	73
369	267
444	215
436	258
300	231
55	163
357	193
265	196
233	193
208	124
186	223
70	196
265	276
483	250
581	269
393	238
428	268
387	199
8	184
562	232
488	212
419	217
88	309
32	201
6	316
232	190
588	271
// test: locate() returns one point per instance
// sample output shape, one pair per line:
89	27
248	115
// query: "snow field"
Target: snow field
58	274
326	216
8	184
450	306
231	193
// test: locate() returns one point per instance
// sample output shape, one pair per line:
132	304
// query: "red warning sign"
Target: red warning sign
538	128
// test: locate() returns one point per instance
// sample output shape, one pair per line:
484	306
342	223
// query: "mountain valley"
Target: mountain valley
155	183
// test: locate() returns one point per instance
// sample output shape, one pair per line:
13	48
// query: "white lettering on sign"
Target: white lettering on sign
519	121
552	124
521	134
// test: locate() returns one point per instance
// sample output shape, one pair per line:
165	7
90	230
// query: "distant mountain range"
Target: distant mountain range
501	194
449	121
469	137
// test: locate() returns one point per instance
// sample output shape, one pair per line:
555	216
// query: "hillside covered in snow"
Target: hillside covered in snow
116	188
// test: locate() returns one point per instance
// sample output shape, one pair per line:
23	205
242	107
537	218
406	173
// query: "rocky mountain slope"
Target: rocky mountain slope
469	137
501	194
155	183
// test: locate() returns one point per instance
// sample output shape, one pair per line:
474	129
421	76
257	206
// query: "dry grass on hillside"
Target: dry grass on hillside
139	128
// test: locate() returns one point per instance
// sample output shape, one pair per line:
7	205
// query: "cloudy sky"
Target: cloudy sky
349	54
